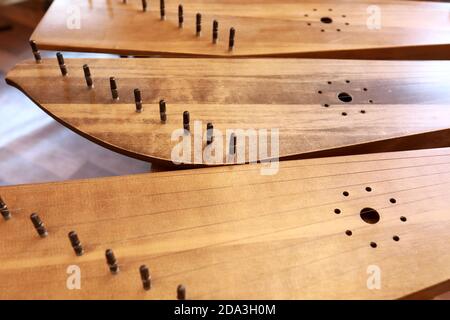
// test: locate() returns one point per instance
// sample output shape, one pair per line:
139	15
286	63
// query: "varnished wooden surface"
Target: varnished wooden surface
395	106
34	147
230	232
408	29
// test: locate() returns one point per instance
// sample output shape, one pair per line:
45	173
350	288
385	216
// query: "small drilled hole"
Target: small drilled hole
322	30
309	23
330	9
403	219
338	30
337	211
365	89
345	193
347	81
343	16
396	238
348	232
345	97
369	215
319	92
326	105
370	101
373	244
363	111
392	200
368	189
344	114
329	82
314	9
347	23
306	15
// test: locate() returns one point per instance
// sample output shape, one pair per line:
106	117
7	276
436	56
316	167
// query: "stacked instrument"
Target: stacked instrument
314	159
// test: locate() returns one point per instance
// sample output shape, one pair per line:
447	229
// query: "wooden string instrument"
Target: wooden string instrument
356	227
321	108
297	28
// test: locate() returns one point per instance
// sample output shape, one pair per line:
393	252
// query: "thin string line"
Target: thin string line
250	167
232	185
256	217
259	216
252	200
300	265
246	257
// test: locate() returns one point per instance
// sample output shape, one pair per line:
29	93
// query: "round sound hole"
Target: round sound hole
345	97
369	215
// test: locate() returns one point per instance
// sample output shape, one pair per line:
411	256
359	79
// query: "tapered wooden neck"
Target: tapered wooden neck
314	108
306	28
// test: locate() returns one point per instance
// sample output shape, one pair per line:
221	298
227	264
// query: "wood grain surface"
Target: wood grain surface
232	233
395	105
359	29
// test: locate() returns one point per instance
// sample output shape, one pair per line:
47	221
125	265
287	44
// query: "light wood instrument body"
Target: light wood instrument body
394	106
232	233
358	29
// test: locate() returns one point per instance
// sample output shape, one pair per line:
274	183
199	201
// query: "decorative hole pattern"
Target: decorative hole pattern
370	216
327	17
344	92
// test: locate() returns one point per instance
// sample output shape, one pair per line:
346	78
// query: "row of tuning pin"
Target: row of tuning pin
139	103
73	236
78	248
198	22
198	29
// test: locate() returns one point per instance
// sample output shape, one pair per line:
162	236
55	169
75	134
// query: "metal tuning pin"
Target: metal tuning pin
181	292
233	141
209	133
144	5
36	53
186	121
39	225
87	76
180	16
215	32
231	41
6	214
162	111
162	8
145	277
138	100
114	91
198	23
76	244
111	261
61	63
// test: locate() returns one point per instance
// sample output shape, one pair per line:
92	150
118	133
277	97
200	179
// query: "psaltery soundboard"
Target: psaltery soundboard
346	29
318	108
357	227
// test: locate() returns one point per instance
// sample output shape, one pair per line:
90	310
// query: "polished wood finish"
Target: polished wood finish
395	105
34	148
407	29
232	233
